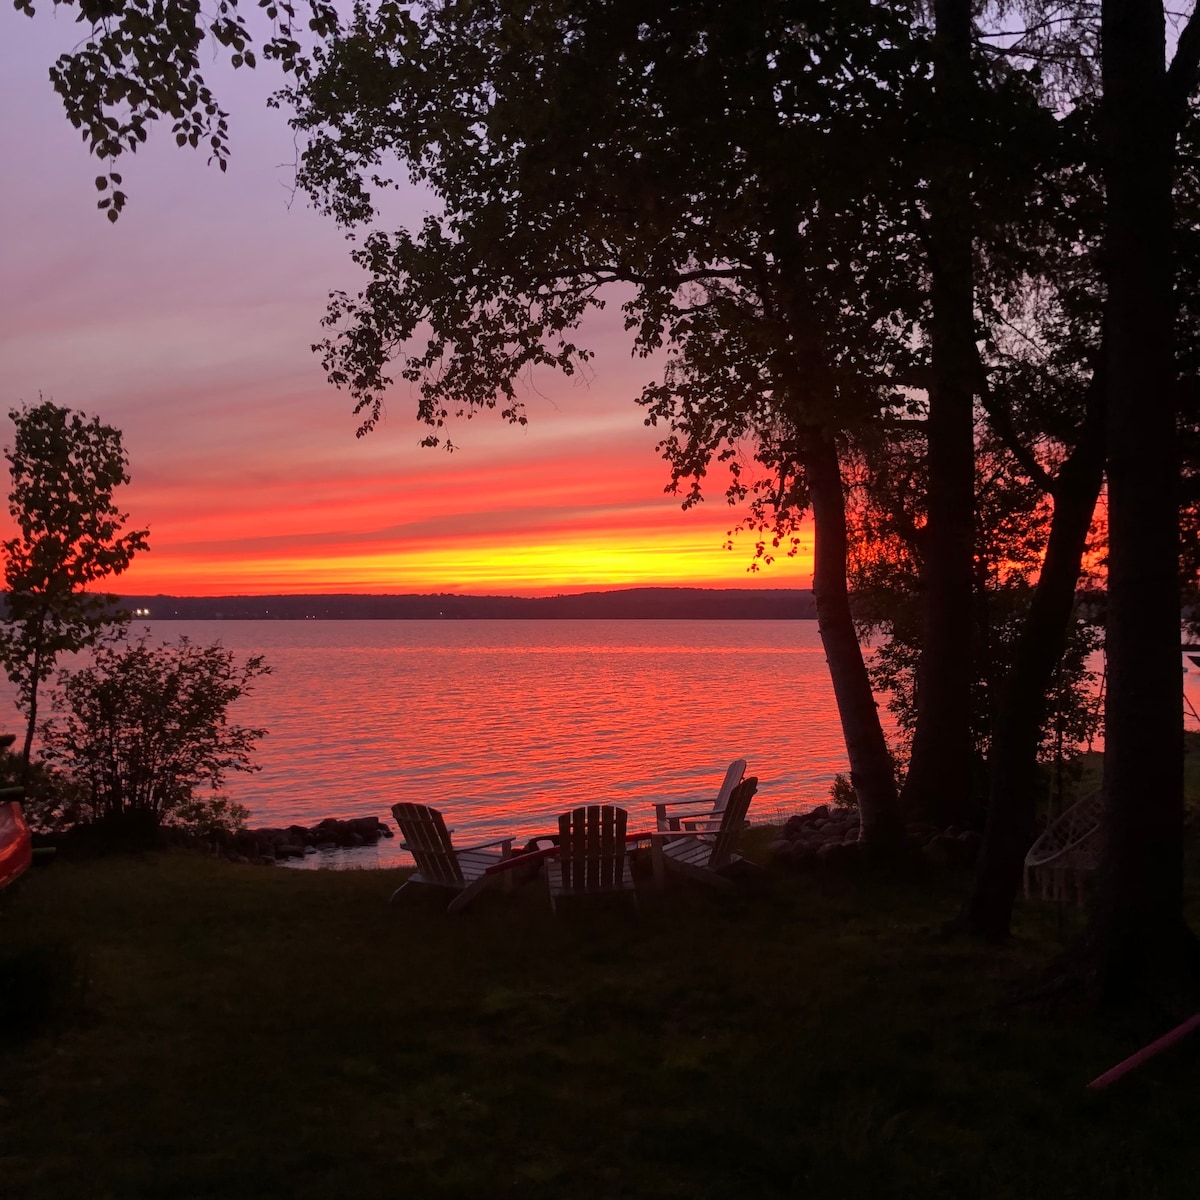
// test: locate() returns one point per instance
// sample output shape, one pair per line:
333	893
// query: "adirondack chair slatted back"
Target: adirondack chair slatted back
733	777
674	821
427	839
591	848
733	821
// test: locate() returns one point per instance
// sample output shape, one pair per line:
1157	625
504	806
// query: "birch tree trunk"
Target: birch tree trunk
881	831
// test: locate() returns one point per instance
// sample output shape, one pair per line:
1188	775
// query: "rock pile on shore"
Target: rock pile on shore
829	838
138	832
270	844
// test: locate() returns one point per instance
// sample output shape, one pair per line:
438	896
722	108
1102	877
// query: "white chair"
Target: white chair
1067	851
667	822
708	850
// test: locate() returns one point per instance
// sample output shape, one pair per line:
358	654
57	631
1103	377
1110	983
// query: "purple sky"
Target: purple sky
188	325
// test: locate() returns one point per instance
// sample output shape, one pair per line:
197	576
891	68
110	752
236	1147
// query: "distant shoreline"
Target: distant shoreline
722	604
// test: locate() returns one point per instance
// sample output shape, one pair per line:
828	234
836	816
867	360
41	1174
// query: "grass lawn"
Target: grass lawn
229	1031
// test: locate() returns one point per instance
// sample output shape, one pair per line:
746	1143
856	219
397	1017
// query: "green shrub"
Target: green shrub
842	793
144	731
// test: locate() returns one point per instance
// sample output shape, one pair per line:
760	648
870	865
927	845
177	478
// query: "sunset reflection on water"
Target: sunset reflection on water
504	724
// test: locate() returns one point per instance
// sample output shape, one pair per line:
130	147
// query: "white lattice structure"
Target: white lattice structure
1067	851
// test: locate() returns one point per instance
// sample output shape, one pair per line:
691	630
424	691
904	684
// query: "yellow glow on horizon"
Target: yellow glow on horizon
545	564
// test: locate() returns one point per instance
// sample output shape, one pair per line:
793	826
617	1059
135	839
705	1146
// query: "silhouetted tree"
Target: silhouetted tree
1187	354
1138	940
1010	540
1043	394
938	783
65	469
735	167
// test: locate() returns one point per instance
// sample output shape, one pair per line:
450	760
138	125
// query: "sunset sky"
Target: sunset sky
188	325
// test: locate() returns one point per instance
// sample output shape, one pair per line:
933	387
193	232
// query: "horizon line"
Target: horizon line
594	591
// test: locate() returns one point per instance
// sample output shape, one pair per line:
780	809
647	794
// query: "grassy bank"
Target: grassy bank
232	1031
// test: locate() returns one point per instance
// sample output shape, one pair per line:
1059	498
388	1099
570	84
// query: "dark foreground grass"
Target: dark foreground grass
221	1031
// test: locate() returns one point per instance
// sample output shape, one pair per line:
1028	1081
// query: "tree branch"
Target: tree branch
1001	421
1184	71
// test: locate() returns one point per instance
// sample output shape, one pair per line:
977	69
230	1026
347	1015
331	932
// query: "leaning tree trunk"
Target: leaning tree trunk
938	785
881	831
31	722
1012	764
1137	940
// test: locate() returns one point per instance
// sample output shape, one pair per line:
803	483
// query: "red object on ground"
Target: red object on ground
1146	1053
16	850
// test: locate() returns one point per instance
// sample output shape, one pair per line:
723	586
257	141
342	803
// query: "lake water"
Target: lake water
504	724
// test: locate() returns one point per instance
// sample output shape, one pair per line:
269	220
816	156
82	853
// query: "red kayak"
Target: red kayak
16	852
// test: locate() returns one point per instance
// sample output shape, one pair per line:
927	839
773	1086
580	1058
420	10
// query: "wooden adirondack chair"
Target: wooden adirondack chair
708	850
463	870
671	821
591	854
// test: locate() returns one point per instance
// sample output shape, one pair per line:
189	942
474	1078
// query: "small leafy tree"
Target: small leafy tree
145	731
65	468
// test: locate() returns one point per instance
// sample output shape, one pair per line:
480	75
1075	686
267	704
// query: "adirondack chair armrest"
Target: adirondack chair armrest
521	860
505	843
706	817
459	849
664	803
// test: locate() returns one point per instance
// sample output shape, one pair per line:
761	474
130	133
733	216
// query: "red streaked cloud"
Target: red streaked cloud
452	524
188	325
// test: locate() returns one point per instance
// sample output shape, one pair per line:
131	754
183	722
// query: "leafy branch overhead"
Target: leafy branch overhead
684	178
140	62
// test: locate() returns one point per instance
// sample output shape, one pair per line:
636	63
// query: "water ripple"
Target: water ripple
504	724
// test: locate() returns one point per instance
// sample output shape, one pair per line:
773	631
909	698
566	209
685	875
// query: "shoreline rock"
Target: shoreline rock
266	845
828	838
270	844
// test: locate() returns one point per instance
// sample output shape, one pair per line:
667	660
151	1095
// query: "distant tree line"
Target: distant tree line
731	604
